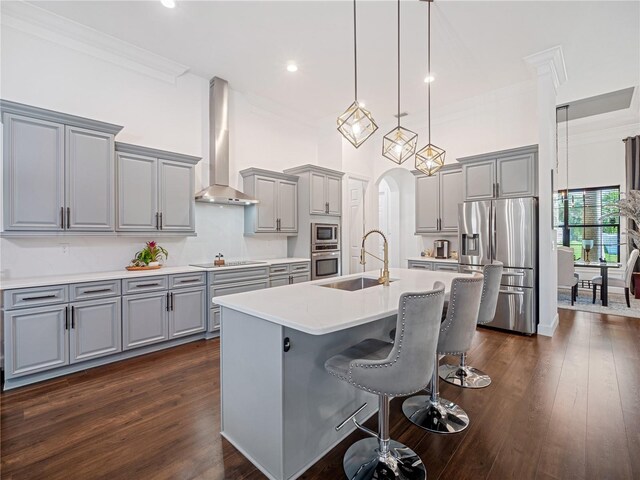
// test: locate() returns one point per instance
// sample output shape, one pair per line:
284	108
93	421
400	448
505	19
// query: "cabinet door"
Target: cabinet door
334	195
279	281
516	176
137	192
318	193
35	339
177	201
427	198
450	197
479	180
214	319
33	174
288	206
188	312
90	180
300	278
96	329
420	265
446	267
266	211
144	319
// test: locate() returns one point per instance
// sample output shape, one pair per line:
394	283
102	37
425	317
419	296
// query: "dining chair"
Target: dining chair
624	282
567	276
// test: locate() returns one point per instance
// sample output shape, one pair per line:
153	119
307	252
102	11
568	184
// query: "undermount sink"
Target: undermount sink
353	284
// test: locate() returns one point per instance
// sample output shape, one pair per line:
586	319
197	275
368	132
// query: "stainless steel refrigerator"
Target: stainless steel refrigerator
505	230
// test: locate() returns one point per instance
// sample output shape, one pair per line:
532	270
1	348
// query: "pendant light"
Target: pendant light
399	144
356	124
429	159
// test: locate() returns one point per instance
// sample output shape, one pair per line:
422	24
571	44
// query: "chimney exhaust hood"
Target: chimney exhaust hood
219	191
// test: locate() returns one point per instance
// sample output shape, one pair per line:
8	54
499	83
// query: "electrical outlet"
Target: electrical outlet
65	249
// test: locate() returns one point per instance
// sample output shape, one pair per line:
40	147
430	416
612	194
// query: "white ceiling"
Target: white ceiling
477	46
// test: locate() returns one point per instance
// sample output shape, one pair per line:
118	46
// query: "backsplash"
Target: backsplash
219	228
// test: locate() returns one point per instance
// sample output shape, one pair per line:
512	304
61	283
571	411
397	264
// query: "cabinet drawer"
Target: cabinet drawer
229	289
144	284
300	267
183	280
449	267
33	297
238	275
280	269
420	265
90	290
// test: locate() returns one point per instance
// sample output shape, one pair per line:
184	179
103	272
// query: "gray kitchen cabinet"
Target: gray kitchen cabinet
446	267
300	278
90	180
144	319
437	199
419	265
176	199
95	329
279	281
36	339
214	320
58	171
155	190
289	273
187	312
321	189
505	174
277	194
33	171
137	193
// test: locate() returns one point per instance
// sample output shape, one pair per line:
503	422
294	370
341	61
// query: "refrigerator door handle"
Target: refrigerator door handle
489	252
519	293
493	238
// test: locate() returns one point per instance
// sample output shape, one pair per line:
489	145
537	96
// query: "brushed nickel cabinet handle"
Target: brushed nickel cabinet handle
73	319
61	217
40	297
99	290
66	318
191	280
143	285
68	217
160	220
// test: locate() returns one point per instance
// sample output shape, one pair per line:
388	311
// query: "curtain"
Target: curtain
632	159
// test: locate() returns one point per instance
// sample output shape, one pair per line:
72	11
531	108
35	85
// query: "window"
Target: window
589	214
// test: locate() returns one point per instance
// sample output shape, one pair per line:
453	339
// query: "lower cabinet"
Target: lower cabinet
145	319
95	330
187	312
279	281
301	278
35	339
214	319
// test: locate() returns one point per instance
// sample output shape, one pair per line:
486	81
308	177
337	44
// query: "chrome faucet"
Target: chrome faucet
384	273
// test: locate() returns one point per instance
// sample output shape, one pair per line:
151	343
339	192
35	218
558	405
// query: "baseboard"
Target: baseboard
549	330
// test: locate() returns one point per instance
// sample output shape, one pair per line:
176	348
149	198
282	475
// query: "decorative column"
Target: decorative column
551	73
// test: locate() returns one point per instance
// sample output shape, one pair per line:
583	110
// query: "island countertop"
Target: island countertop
312	308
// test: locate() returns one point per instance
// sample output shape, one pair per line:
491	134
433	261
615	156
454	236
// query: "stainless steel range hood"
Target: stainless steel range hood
219	191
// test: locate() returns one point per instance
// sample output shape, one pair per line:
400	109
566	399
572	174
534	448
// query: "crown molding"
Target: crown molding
549	62
41	23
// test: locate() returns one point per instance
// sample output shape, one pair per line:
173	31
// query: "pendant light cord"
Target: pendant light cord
355	52
398	63
429	66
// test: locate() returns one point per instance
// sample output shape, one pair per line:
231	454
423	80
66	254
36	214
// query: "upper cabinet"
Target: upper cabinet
277	194
58	171
321	189
155	190
505	174
437	199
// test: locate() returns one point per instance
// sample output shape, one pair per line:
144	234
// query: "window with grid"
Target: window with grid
589	214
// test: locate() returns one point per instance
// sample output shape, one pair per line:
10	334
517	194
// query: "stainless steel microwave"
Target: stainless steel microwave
323	233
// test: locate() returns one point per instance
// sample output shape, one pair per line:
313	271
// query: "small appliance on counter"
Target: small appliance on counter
219	261
441	249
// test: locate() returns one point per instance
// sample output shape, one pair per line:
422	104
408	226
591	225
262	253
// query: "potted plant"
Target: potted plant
629	207
151	255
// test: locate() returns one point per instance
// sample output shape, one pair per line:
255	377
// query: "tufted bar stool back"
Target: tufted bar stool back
389	370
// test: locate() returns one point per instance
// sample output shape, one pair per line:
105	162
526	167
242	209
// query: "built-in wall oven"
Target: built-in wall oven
325	264
325	233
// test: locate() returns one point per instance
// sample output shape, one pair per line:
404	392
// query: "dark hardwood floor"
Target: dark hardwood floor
566	407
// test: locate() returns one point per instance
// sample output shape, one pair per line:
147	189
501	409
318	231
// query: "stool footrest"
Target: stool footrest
351	417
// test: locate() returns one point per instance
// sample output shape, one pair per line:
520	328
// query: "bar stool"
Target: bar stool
464	375
390	370
432	412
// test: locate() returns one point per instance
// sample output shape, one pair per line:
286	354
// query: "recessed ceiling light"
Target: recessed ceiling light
429	78
292	67
168	3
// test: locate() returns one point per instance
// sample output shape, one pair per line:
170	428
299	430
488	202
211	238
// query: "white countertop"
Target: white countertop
433	259
311	308
44	281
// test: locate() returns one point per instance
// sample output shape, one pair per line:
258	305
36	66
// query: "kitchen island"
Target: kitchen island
279	406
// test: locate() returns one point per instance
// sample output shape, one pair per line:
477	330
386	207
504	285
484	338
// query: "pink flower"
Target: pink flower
151	244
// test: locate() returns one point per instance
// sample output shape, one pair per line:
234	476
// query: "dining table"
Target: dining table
604	273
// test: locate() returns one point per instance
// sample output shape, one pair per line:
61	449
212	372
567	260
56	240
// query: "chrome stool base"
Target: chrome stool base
363	461
441	417
465	377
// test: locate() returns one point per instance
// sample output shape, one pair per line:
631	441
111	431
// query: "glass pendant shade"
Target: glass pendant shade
356	124
430	159
399	144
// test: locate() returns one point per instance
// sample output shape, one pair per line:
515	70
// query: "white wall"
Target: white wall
157	114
